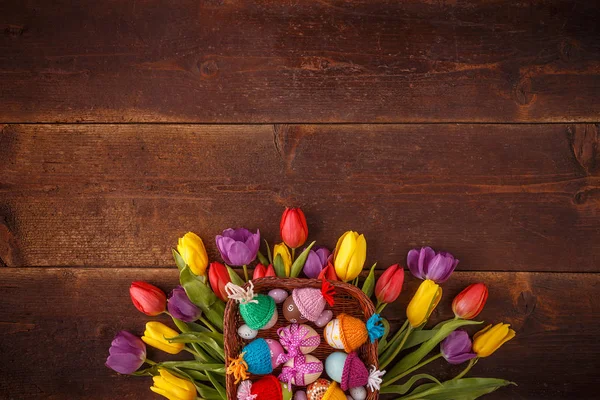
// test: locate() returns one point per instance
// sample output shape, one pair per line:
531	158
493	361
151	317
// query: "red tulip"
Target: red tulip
328	273
469	303
293	227
389	284
148	298
218	277
270	271
260	271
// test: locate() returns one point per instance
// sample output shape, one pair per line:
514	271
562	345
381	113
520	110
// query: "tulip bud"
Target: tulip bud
259	271
423	303
148	298
191	248
469	303
270	271
328	273
181	307
456	348
218	277
238	246
315	261
282	250
489	339
350	255
127	353
389	284
293	228
172	387
155	335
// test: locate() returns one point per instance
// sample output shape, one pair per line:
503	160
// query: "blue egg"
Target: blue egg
334	365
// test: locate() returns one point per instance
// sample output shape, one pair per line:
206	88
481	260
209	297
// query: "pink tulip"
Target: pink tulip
389	284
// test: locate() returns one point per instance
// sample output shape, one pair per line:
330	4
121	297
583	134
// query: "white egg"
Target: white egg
358	393
245	332
279	295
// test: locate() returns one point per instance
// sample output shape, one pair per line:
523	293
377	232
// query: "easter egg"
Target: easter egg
272	321
291	312
324	318
300	395
275	351
279	295
309	338
245	332
317	389
308	377
348	397
287	394
334	365
333	335
358	393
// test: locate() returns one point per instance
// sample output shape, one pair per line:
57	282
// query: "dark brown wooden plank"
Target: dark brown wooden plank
307	61
500	197
57	325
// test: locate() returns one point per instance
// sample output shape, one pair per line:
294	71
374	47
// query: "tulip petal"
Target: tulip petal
412	262
357	261
223	244
239	254
344	255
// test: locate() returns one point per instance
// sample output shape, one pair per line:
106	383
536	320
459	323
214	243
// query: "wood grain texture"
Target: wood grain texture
500	197
54	345
299	61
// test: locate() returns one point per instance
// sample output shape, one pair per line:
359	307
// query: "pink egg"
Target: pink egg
324	318
275	350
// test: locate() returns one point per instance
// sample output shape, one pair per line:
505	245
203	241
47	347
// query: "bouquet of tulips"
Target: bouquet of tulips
197	306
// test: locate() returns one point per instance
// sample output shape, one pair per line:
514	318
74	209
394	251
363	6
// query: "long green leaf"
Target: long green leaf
369	284
460	389
419	337
269	253
404	388
235	278
412	359
217	385
262	259
202	295
178	260
279	266
300	261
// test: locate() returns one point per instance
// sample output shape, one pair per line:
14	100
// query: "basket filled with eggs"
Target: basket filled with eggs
306	339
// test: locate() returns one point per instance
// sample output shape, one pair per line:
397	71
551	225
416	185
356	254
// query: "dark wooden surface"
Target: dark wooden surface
299	61
479	135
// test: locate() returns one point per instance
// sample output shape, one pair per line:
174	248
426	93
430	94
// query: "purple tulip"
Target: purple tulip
316	261
127	353
426	264
180	306
238	246
456	348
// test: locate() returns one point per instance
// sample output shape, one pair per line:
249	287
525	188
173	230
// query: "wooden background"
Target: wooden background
468	126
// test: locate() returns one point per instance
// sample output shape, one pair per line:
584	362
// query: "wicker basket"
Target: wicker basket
348	299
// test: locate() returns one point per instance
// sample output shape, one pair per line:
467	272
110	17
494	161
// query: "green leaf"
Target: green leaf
279	266
300	261
404	388
217	385
202	295
418	337
369	285
412	359
462	389
195	365
269	253
262	259
178	260
235	278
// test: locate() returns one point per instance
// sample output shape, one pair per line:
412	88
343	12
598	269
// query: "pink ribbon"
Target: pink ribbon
293	338
297	372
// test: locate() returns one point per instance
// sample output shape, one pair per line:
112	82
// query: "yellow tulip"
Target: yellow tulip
350	255
489	339
155	335
191	248
284	252
172	387
423	303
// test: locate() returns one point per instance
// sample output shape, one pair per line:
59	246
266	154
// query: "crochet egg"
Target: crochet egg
322	389
348	333
308	303
257	310
301	370
257	357
350	372
266	388
291	312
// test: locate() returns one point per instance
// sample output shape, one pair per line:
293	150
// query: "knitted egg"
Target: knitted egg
350	372
298	339
257	310
322	389
308	303
257	357
348	333
301	370
266	388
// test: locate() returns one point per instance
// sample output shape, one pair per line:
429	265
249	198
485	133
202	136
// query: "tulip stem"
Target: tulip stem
293	255
380	307
416	367
245	272
394	339
398	349
472	362
150	362
208	325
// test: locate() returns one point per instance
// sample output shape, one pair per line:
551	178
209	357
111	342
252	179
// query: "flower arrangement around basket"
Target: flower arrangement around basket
274	336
